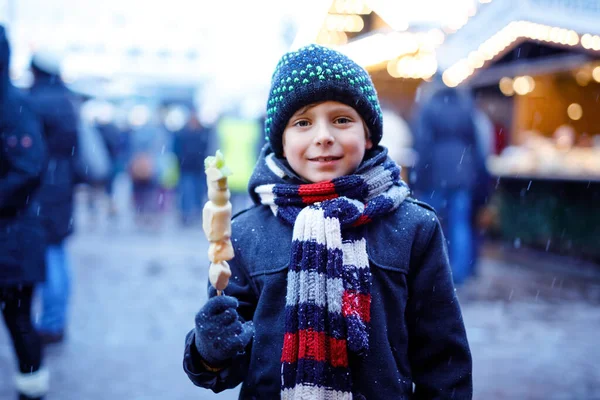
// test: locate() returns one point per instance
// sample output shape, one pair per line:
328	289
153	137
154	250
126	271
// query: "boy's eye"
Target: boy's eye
301	123
343	120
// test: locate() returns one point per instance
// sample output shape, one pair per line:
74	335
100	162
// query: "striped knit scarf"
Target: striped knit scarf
329	280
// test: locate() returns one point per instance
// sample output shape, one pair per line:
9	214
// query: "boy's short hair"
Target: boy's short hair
315	74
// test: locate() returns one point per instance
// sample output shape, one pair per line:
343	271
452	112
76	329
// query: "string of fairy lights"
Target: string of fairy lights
413	55
499	42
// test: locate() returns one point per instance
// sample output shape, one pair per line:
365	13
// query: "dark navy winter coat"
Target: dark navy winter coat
52	102
417	332
22	161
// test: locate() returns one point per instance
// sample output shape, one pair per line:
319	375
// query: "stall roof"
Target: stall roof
505	24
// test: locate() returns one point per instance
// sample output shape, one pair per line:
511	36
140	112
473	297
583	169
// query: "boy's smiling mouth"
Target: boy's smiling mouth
325	158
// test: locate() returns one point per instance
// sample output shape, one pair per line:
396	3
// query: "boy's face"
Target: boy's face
325	141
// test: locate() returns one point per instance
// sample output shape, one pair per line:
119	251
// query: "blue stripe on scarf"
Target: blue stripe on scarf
358	279
352	186
311	316
378	205
313	256
317	373
288	214
358	342
341	209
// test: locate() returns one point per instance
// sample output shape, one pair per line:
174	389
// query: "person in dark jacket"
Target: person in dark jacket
52	102
340	286
450	170
190	147
113	140
22	160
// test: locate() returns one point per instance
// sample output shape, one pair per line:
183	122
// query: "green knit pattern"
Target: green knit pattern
313	74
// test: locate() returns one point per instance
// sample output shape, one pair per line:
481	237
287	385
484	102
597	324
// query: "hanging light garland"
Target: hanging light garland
489	49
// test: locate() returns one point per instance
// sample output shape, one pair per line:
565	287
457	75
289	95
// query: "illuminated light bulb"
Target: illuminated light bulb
392	68
596	74
587	41
523	85
575	112
530	83
139	115
485	52
430	67
335	22
430	40
554	33
583	77
331	23
323	37
352	23
542	32
506	86
449	80
360	23
402	66
475	59
573	39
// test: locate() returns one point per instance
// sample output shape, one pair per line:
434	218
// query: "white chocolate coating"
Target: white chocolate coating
220	251
219	274
216	221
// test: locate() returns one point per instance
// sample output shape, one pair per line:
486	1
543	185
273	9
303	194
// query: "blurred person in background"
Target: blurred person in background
190	147
482	215
148	143
22	246
113	141
55	106
449	169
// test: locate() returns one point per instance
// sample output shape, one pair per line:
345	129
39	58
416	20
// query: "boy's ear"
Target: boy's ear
283	145
369	142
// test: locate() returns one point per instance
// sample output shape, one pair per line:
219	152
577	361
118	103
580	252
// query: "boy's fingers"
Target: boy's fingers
247	333
218	304
226	318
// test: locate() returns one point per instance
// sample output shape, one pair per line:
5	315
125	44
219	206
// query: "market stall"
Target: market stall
535	71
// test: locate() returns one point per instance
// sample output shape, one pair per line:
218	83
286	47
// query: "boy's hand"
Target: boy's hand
220	334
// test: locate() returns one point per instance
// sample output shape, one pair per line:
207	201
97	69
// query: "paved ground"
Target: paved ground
532	326
532	322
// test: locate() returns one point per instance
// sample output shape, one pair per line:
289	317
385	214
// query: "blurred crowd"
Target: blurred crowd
55	142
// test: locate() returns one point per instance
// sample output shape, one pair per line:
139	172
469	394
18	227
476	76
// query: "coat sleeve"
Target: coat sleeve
24	151
438	349
233	372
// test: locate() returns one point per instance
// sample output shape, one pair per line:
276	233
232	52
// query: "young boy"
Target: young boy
341	287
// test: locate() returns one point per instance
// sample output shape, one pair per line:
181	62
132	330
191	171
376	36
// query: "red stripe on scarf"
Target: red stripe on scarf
308	344
354	303
315	192
362	220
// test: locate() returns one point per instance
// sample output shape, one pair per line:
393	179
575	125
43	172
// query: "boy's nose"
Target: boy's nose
324	136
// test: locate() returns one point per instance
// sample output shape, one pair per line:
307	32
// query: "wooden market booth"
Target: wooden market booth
534	67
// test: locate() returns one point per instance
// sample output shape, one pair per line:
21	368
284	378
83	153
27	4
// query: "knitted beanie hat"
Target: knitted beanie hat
315	74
